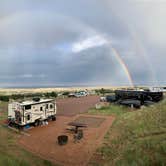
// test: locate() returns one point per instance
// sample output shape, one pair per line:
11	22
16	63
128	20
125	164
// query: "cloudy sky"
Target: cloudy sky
82	42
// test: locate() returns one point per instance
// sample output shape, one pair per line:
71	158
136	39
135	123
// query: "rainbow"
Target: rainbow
139	47
123	65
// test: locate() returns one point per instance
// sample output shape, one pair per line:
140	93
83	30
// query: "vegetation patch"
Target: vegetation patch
135	138
6	98
112	109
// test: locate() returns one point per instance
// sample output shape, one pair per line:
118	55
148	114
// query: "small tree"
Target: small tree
66	93
4	98
53	94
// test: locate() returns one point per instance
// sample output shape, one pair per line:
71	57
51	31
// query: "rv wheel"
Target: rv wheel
36	123
53	118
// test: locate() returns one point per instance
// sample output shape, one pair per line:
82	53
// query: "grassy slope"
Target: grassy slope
11	154
136	138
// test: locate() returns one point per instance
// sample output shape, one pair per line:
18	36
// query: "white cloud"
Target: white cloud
90	42
31	76
26	76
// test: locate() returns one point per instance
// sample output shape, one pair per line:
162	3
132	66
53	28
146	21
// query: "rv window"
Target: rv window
46	106
41	108
51	106
27	107
28	117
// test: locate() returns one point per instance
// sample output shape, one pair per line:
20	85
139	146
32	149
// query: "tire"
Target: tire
36	123
53	118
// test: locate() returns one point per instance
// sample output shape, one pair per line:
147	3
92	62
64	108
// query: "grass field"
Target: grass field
136	138
112	109
11	154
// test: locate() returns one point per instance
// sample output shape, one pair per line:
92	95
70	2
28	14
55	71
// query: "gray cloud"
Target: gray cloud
37	38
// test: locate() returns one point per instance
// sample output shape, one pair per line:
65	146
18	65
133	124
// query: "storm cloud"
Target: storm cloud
50	43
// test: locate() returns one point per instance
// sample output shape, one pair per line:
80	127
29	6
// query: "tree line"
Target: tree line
6	98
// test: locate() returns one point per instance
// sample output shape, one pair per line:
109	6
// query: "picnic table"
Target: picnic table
77	125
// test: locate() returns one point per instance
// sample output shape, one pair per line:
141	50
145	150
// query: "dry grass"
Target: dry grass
136	138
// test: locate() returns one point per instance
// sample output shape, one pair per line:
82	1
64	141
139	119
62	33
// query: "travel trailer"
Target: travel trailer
32	112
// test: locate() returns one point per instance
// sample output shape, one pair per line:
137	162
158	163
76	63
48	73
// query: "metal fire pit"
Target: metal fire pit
62	139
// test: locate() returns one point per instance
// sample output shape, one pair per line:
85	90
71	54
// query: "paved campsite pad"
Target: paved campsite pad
90	121
43	140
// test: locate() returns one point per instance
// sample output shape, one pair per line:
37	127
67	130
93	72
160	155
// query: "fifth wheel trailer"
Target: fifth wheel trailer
31	112
135	98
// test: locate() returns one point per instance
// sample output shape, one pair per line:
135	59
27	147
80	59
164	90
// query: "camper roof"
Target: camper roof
36	102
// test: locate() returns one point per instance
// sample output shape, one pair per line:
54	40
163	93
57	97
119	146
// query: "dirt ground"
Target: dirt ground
73	106
42	140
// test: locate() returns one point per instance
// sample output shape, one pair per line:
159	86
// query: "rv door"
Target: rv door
46	110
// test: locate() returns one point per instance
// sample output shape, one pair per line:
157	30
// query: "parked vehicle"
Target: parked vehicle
130	103
34	111
71	95
111	98
139	95
135	98
78	94
81	93
103	99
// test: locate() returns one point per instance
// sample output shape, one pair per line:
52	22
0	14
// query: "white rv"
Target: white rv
32	111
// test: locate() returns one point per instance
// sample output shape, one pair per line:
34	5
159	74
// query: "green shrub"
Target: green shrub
66	93
4	98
